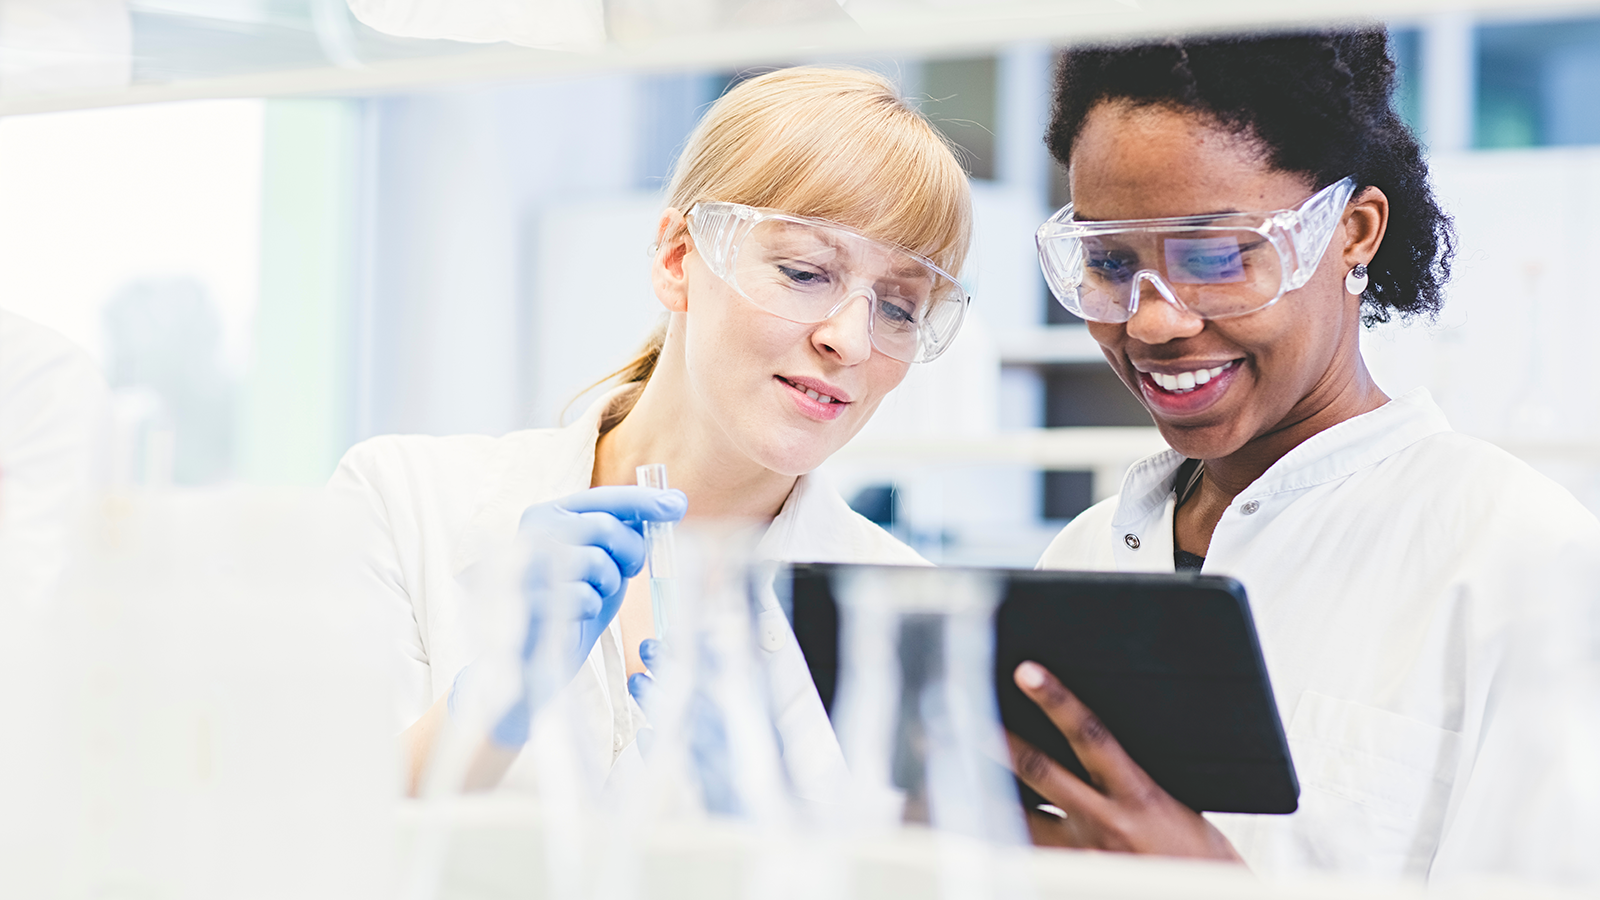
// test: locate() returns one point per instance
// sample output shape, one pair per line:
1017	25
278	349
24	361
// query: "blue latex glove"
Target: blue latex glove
640	684
589	545
603	530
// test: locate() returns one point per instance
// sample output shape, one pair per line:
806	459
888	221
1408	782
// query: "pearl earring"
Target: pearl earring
1356	281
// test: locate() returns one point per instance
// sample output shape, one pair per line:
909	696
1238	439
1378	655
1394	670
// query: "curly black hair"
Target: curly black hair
1319	103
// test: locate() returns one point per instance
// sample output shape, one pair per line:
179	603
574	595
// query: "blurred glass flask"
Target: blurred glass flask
715	754
918	722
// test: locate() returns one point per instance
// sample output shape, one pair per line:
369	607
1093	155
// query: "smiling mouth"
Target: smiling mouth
815	395
1184	382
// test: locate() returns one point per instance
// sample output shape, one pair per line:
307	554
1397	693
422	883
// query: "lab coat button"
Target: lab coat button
1249	508
1132	540
773	628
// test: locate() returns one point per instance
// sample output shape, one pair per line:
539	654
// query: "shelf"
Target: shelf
1049	345
294	47
1041	448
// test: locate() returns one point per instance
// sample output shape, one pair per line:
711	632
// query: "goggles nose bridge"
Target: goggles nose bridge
849	297
1161	287
847	300
872	319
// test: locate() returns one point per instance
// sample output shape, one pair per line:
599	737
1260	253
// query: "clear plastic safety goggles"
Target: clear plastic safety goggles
808	270
1214	266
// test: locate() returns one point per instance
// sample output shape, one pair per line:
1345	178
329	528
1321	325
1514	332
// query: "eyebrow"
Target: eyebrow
913	271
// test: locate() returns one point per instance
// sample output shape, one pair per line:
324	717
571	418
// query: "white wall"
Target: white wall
592	300
461	180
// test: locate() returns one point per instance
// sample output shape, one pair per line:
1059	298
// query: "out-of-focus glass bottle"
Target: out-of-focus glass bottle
918	723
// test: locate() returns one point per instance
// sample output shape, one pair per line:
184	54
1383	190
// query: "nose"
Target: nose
847	335
1159	317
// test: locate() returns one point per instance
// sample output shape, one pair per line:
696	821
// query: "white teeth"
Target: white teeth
1187	381
820	398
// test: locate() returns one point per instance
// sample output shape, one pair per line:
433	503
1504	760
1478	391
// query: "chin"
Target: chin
797	456
1200	441
793	464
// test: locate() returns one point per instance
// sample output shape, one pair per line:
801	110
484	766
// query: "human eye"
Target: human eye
1205	260
899	300
897	311
1109	266
798	275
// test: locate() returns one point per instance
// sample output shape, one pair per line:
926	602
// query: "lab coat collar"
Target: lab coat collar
1146	488
1354	444
816	525
512	484
1328	455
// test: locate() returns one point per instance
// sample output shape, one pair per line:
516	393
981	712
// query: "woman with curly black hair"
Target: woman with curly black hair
1241	207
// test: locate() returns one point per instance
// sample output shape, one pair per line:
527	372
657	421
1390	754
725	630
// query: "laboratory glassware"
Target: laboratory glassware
919	725
527	632
714	756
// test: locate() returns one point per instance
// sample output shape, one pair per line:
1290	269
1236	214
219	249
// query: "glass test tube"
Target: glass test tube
661	556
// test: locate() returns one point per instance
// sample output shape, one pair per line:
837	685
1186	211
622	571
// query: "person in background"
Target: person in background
1241	207
805	260
54	413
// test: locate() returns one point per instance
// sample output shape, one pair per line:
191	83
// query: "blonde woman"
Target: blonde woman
804	262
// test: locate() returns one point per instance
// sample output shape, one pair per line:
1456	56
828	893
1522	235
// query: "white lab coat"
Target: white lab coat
54	408
444	503
1391	567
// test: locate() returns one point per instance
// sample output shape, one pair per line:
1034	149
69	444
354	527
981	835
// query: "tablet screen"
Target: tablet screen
1170	663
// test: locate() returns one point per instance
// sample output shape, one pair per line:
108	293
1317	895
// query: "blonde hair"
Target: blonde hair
827	142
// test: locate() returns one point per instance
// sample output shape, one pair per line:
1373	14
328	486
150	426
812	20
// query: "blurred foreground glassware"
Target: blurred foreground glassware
713	756
526	630
712	746
918	722
203	706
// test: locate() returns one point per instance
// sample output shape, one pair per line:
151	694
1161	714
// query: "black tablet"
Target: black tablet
1170	663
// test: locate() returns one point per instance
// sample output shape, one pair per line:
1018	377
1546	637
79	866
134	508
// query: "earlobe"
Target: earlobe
668	273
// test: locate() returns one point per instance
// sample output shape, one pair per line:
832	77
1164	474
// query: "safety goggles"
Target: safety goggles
808	270
1214	266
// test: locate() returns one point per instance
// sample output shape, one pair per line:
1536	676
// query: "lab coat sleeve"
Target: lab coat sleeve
362	476
1529	808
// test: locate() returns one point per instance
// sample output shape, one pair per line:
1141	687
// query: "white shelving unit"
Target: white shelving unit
1048	345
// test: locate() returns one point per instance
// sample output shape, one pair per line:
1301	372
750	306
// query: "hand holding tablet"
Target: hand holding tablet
1120	807
1155	703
